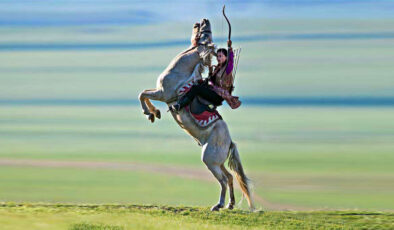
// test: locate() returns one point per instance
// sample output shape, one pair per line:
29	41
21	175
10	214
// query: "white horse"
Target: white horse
215	139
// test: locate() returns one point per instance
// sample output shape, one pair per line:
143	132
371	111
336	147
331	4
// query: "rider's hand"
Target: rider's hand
229	43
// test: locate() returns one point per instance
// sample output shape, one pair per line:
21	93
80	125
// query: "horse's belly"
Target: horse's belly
184	119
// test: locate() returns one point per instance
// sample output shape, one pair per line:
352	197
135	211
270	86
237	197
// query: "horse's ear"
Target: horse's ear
195	34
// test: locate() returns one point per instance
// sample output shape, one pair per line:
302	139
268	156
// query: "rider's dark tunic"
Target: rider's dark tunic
219	85
222	81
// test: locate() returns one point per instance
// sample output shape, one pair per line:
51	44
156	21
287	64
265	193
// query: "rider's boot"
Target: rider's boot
182	102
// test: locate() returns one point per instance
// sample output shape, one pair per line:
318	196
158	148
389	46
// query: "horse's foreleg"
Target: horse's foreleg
231	203
141	97
153	109
147	107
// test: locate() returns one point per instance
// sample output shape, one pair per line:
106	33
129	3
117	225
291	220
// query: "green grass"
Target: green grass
308	157
355	140
91	217
77	185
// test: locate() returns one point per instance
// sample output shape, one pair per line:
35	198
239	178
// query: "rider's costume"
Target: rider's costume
219	87
221	81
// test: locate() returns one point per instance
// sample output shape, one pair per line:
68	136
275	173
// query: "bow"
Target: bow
228	22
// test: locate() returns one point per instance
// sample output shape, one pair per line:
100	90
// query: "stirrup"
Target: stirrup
174	108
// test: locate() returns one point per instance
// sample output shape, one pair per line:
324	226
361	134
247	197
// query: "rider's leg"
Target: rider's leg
199	90
185	99
209	95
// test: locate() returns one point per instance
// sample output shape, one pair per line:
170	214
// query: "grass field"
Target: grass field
119	217
299	157
293	157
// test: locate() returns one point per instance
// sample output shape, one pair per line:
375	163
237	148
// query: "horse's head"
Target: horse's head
205	45
205	32
201	33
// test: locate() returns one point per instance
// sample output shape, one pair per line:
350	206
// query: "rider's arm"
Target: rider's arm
228	78
230	63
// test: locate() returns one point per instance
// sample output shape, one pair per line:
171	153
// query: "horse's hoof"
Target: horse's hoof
230	206
151	117
158	114
172	109
216	207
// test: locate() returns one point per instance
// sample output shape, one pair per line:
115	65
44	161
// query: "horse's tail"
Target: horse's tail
234	162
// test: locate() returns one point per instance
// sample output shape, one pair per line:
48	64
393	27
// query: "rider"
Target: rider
220	83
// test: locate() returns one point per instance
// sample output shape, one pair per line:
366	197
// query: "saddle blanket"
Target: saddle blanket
205	118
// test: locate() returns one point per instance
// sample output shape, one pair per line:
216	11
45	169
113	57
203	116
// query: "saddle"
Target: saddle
203	112
199	105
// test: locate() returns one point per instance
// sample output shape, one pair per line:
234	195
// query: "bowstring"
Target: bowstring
222	27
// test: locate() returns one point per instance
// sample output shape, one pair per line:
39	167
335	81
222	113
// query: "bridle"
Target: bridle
207	51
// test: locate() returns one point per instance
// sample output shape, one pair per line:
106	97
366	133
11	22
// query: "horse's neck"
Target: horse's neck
186	61
178	72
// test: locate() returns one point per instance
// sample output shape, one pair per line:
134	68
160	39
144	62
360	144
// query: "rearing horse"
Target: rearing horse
215	140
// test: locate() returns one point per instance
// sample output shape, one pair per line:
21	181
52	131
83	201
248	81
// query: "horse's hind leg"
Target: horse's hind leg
221	177
148	108
231	203
214	155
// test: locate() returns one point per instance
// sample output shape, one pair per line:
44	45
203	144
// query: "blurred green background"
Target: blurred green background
71	71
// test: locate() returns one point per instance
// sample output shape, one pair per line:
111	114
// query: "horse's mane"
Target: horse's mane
201	68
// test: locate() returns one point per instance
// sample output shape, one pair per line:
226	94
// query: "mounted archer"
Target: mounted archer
219	84
197	119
